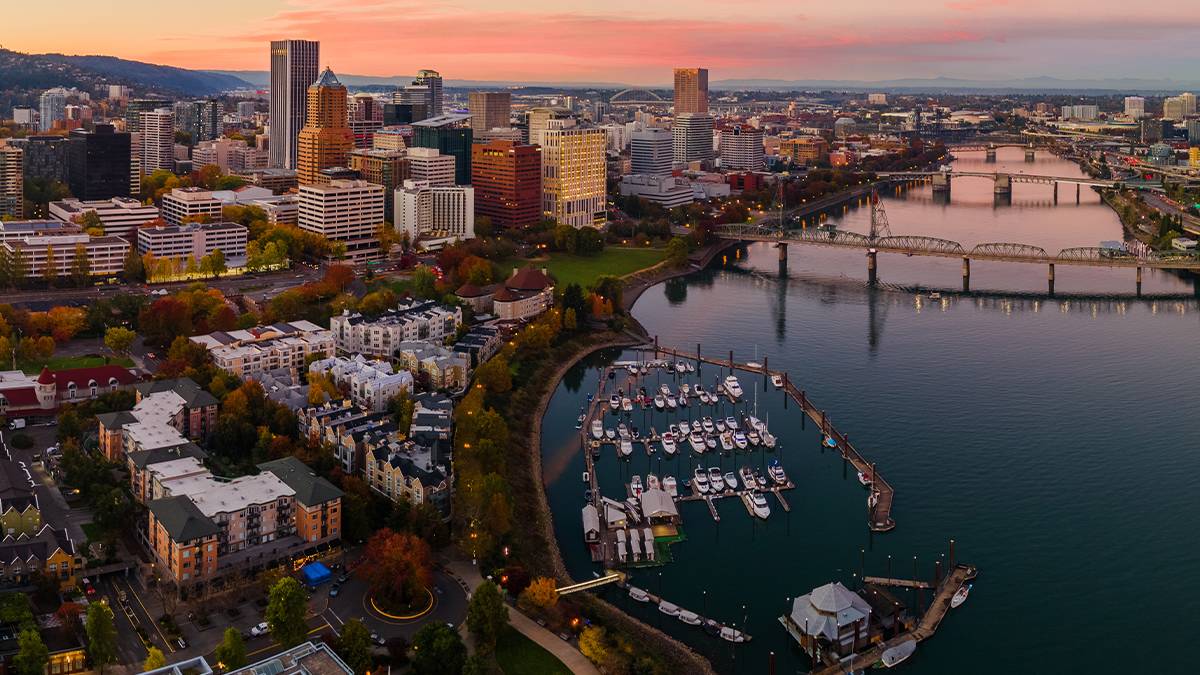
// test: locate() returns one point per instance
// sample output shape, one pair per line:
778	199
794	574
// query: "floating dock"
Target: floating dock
705	622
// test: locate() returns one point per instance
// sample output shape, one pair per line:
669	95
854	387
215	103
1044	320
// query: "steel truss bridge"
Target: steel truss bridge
1014	177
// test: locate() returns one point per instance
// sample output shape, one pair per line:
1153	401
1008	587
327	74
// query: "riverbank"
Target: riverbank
1133	213
638	282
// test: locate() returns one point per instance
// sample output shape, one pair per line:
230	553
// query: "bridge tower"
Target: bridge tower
989	154
879	229
1003	184
941	182
1030	153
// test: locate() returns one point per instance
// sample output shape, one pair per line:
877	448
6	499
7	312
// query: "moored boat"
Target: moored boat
626	404
668	608
739	440
775	470
614	402
696	441
668	443
747	475
864	479
664	389
960	596
670	486
731	422
699	481
893	656
689	617
610	434
759	478
768	439
733	387
754	438
715	481
759	504
652	482
777	380
732	635
639	594
623	430
597	430
672	403
730	480
726	441
710	442
626	447
707	424
660	402
635	485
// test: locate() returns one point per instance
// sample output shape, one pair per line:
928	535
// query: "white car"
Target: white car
260	629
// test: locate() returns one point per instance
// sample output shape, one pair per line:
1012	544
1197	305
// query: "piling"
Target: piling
872	268
966	274
1050	278
1139	281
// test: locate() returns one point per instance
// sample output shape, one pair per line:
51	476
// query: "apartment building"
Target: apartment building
372	384
380	337
247	353
105	256
120	216
180	405
434	216
345	211
190	202
195	240
446	368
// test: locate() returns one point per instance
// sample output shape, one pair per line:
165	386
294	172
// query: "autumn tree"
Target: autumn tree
155	659
81	267
397	566
50	268
495	375
101	636
541	594
438	650
354	646
287	606
231	653
119	340
486	616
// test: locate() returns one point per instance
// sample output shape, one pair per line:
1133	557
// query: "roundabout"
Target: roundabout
400	617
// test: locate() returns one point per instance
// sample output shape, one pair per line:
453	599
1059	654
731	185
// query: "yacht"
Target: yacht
666	391
873	499
689	617
960	596
626	404
635	485
710	442
689	367
775	469
703	396
672	403
652	482
747	475
685	388
610	434
682	400
893	656
668	608
699	481
733	387
732	635
864	479
660	402
670	486
639	594
707	423
730	480
777	380
680	367
759	503
632	368
754	423
597	430
726	442
739	440
626	448
668	443
720	425
696	441
622	430
754	438
614	402
674	429
767	439
696	426
643	370
731	422
715	480
760	478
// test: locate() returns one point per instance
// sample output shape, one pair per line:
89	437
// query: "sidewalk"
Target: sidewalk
578	663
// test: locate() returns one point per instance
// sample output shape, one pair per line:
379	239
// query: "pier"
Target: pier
712	626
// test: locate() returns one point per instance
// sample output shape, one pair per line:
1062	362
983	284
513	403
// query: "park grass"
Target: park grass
585	270
518	655
34	366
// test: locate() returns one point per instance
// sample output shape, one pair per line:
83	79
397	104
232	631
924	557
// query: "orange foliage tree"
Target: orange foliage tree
397	566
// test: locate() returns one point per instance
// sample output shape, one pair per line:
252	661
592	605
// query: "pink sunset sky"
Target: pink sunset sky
637	42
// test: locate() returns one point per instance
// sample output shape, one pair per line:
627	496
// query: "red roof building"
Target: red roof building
22	394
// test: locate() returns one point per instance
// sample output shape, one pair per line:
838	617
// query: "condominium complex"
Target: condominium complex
430	165
12	182
120	216
188	412
1135	106
229	154
345	211
489	110
293	68
446	368
183	203
372	384
64	253
691	91
651	151
574	171
507	177
381	336
326	139
435	216
52	107
157	140
742	148
194	241
247	353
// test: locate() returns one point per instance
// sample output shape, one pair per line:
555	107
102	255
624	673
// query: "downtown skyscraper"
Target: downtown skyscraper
691	91
326	140
293	69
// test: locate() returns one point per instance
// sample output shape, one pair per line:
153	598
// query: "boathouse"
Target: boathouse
658	506
830	619
591	524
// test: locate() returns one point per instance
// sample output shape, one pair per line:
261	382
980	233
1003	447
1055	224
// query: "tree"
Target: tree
154	659
81	267
287	605
231	653
437	650
486	616
483	226
494	375
397	566
593	644
542	593
119	340
570	320
50	269
91	223
354	646
677	251
101	635
32	654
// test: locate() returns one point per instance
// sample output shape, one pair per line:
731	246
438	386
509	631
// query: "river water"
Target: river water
1052	438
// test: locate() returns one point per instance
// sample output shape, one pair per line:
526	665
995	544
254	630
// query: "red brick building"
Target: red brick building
507	178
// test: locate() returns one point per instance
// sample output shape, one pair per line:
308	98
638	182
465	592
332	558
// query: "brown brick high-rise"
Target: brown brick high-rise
507	178
326	139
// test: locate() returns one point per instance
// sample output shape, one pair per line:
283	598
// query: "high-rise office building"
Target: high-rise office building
98	163
52	106
12	182
435	215
1174	108
692	136
202	120
489	110
507	177
433	80
118	92
133	113
345	211
651	151
45	157
742	148
538	120
388	168
427	164
574	171
246	110
1135	106
451	135
1189	103
158	140
293	69
326	139
691	90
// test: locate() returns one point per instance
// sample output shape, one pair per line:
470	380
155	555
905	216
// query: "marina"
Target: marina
710	626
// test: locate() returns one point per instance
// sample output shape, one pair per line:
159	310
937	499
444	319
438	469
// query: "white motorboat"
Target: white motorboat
961	596
652	482
635	485
660	402
710	442
760	478
754	423
704	398
689	367
732	635
894	656
707	424
696	441
670	609
864	479
731	422
610	434
775	470
873	499
696	427
699	389
579	421
614	402
777	380
739	440
686	389
715	481
730	480
754	438
682	400
674	429
639	594
622	553
626	447
668	443
759	504
747	475
623	430
733	387
689	617
680	367
664	389
726	441
672	403
699	481
768	439
626	404
670	486
720	425
935	296
597	430
632	368
643	370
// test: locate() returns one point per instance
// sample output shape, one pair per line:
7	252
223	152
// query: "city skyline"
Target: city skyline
625	42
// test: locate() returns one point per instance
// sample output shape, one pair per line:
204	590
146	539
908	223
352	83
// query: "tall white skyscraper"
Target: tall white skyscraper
1135	106
439	213
742	148
158	140
293	69
692	134
652	151
53	107
1189	103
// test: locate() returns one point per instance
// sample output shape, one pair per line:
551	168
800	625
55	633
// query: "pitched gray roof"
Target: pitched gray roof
116	420
144	458
188	390
310	488
182	519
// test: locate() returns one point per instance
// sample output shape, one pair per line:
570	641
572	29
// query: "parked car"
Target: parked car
181	643
122	597
18	423
88	588
260	629
333	590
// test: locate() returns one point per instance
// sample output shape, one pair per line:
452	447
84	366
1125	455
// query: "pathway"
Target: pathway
468	574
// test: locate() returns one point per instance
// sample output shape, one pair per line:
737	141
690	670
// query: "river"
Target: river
1052	438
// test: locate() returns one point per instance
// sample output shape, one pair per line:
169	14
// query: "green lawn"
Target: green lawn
518	655
584	270
65	362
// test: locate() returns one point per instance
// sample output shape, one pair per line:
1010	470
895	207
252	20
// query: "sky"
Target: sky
638	42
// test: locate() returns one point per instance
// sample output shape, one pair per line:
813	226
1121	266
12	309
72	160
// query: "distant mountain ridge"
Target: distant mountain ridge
44	71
